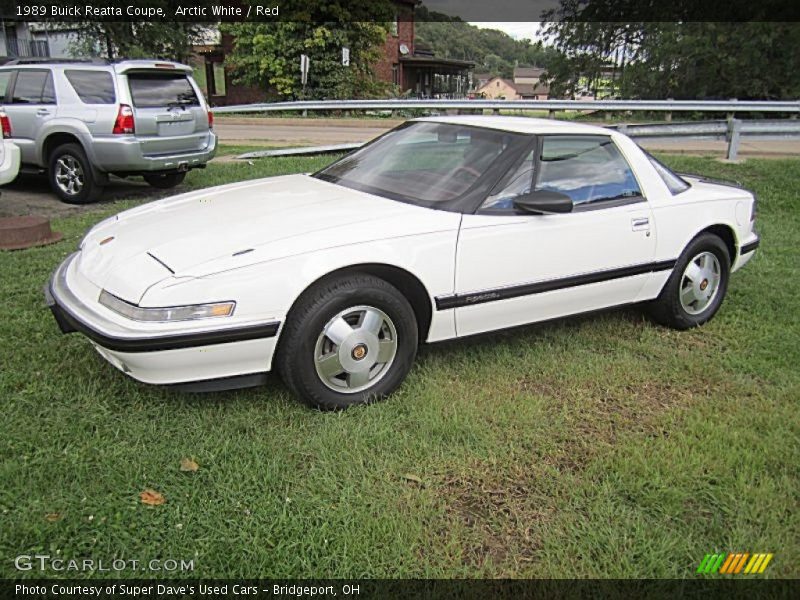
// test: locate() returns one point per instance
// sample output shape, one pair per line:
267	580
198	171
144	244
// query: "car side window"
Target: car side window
588	169
30	86
49	91
5	77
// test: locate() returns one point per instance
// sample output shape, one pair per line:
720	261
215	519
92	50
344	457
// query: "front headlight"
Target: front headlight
170	313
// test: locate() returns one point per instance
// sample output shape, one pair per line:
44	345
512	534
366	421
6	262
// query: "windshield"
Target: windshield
423	162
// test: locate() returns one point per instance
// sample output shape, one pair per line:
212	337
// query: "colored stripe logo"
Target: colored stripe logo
735	563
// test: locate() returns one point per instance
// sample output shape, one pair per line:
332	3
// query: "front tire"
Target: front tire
347	341
695	290
165	181
71	176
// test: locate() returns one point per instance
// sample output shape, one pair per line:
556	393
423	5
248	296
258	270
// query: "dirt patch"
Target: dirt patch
31	195
500	512
504	505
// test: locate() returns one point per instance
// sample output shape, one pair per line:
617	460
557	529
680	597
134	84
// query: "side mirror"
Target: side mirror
544	202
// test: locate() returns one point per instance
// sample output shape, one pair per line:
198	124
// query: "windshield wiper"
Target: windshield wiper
180	103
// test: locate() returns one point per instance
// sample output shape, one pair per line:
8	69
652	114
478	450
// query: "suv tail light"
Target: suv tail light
210	120
5	123
124	123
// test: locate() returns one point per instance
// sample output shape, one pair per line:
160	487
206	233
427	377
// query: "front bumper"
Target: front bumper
750	246
746	252
171	356
11	161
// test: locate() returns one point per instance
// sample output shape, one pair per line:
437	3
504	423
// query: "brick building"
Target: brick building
414	71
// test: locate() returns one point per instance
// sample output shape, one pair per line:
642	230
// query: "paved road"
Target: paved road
278	134
309	132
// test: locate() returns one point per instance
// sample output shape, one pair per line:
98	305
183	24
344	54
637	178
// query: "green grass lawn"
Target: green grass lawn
592	447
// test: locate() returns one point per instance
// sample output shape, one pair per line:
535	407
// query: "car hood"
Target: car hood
230	226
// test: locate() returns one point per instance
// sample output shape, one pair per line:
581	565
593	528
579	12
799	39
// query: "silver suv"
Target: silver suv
83	120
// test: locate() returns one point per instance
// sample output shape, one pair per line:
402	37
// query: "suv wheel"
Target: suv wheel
165	180
71	176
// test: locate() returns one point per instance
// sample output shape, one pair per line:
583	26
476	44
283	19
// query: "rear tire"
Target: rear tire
695	290
71	176
165	181
350	340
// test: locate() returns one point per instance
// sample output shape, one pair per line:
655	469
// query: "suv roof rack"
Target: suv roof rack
48	60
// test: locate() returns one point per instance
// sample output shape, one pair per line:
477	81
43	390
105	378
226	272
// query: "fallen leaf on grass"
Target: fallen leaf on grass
188	465
414	478
52	517
152	498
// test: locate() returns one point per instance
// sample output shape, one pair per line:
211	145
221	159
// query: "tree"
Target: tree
660	59
492	50
113	40
267	54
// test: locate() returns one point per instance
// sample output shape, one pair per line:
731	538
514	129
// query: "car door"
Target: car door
514	268
32	102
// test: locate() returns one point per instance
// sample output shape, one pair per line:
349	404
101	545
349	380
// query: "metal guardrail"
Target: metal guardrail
731	130
666	106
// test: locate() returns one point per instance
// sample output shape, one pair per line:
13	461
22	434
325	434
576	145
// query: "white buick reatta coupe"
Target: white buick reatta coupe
442	228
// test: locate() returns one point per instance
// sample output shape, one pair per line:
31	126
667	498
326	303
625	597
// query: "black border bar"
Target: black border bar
694	586
213	11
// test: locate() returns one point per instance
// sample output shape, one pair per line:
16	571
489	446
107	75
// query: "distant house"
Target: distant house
528	81
499	88
480	79
528	74
532	91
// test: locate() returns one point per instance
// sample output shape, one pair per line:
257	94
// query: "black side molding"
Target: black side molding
68	324
529	289
750	247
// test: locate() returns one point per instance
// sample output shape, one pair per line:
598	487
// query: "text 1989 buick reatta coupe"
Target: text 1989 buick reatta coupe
441	228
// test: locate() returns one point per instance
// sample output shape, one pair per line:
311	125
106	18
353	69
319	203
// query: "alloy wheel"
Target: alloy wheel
69	175
700	283
355	349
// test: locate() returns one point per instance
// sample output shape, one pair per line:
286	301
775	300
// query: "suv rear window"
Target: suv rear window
153	90
92	87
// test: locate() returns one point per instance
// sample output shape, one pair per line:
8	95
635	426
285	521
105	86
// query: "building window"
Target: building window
396	74
214	78
395	26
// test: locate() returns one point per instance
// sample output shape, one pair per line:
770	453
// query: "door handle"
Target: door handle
42	112
640	224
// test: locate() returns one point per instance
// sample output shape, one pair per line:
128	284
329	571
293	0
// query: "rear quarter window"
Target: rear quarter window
674	182
155	90
5	77
92	87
